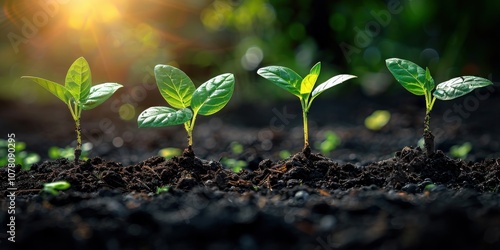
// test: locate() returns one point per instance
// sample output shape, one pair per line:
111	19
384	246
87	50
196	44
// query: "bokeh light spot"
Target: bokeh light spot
126	111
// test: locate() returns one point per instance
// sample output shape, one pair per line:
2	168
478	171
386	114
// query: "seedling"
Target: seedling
162	189
53	188
78	94
461	151
179	91
377	120
67	152
235	165
169	153
420	82
331	142
301	87
23	157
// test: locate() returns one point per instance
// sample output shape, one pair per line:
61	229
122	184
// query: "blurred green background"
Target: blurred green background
124	39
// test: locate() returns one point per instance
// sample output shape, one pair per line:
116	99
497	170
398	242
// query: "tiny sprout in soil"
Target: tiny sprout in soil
301	87
420	82
179	91
53	188
78	93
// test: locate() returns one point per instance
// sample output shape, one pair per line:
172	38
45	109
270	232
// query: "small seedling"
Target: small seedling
67	152
169	153
301	87
377	120
461	151
53	188
331	142
23	157
235	165
284	154
420	82
179	91
78	93
162	189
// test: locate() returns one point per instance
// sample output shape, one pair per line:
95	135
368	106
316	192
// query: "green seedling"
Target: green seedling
331	142
179	92
78	94
22	157
284	154
301	87
68	152
169	153
420	82
235	165
377	120
461	151
53	188
162	189
236	148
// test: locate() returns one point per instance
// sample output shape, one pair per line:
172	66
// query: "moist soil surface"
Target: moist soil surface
377	190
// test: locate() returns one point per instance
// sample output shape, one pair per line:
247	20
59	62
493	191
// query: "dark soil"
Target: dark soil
376	192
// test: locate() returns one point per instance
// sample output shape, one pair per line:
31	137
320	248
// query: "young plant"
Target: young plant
419	82
53	188
179	92
301	87
78	93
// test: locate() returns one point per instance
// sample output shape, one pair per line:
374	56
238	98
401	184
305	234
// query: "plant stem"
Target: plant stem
428	136
189	128
306	129
76	112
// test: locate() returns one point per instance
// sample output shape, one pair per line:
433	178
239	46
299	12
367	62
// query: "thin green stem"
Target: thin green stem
305	110
428	136
76	114
189	128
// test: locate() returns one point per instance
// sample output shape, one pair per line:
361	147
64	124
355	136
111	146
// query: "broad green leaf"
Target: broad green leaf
213	95
163	116
336	80
429	81
100	93
283	77
307	84
459	86
174	85
79	80
54	88
408	74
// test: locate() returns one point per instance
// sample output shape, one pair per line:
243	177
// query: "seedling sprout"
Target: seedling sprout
179	91
53	188
301	87
420	82
78	94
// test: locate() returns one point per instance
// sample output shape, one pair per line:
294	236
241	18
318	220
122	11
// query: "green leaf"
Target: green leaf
459	86
79	80
163	116
336	80
429	81
307	84
174	85
100	93
283	77
54	88
213	95
411	76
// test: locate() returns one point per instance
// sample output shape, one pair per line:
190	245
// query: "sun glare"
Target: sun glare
83	14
